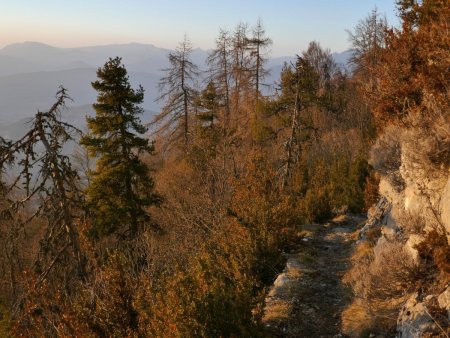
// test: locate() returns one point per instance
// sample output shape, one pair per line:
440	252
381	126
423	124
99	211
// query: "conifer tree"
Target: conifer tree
55	183
120	186
256	46
239	66
258	43
219	62
209	104
368	39
178	93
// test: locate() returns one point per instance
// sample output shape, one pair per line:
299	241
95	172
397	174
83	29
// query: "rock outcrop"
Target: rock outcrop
414	319
412	222
414	203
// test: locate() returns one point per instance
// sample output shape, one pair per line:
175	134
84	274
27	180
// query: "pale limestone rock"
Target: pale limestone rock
411	244
418	194
389	231
388	191
379	247
444	301
413	320
375	216
414	203
396	201
445	207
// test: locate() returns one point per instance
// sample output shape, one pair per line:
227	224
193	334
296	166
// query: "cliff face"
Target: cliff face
413	184
445	206
401	267
420	211
404	277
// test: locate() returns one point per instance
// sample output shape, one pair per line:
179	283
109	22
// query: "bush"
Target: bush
371	190
212	296
385	156
381	283
5	329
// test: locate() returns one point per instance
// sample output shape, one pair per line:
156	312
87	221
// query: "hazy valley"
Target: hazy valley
31	72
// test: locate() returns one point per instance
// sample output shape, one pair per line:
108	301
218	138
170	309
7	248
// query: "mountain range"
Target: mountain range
31	72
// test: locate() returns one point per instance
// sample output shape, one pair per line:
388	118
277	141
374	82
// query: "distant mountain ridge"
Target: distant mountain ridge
31	72
37	56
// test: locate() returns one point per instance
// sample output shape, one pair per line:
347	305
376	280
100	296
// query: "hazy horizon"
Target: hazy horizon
292	25
31	73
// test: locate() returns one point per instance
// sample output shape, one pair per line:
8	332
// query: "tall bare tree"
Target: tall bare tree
239	65
322	62
220	72
367	39
258	45
47	187
178	92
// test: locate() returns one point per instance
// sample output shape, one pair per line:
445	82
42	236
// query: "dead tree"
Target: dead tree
178	93
220	71
258	43
46	184
294	126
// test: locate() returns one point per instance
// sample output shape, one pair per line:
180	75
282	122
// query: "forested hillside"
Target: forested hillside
178	227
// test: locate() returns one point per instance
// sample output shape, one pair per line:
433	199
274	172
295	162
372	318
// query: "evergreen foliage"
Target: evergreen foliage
120	187
254	169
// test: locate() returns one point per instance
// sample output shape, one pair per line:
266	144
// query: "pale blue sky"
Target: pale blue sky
290	23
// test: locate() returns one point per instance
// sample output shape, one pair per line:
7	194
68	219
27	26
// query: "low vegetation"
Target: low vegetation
178	232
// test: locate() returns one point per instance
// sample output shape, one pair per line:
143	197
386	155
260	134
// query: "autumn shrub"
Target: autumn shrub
106	303
5	325
439	152
427	145
385	156
386	272
258	204
381	281
371	194
219	247
212	296
333	185
351	182
435	251
46	311
315	205
357	321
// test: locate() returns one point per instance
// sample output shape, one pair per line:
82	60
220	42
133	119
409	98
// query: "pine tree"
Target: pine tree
120	186
209	104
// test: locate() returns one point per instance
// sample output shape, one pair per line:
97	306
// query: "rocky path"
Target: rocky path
307	299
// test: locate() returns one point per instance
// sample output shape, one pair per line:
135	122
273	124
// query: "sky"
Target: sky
291	24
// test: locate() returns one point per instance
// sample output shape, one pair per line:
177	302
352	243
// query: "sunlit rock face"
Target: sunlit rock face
413	320
415	202
445	207
427	192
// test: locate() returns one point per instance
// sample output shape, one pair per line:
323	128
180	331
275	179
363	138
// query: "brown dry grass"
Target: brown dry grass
381	283
356	320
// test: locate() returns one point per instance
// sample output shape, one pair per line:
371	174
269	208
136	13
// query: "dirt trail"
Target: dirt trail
307	299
